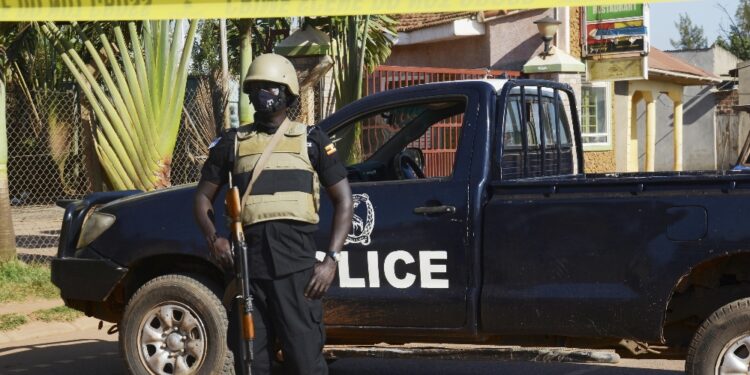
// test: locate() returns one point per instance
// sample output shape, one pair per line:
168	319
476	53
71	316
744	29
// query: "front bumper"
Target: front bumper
86	279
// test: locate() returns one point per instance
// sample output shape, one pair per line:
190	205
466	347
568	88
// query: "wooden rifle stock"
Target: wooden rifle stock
245	300
233	211
248	329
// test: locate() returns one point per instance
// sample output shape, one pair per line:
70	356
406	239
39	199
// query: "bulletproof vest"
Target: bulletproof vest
288	187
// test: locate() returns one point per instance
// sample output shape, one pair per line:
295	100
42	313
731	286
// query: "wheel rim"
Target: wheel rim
172	340
735	357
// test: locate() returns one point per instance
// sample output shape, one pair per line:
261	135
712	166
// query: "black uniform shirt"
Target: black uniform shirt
278	247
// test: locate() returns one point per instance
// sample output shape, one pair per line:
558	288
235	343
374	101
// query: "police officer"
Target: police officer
279	218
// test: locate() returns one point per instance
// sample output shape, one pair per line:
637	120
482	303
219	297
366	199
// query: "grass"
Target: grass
11	321
56	314
21	282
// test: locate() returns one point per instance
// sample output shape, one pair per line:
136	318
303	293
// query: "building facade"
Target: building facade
666	122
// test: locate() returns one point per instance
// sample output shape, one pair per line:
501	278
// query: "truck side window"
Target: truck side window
512	133
408	141
533	120
531	160
563	120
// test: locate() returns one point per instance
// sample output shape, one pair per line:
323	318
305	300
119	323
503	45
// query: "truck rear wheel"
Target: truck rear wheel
175	324
721	346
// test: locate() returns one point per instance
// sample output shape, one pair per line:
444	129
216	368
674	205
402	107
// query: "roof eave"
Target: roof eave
684	78
461	28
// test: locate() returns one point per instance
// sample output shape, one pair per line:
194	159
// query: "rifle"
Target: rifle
239	246
245	299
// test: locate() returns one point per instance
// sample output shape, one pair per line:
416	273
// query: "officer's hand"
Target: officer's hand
321	279
222	251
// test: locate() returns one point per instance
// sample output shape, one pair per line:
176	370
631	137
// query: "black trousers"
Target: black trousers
282	312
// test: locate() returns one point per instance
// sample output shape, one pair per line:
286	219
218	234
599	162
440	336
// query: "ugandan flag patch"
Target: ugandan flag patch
330	149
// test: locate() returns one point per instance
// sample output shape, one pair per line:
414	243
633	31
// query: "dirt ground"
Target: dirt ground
91	351
37	230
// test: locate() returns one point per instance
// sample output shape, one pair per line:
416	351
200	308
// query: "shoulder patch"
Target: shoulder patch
214	143
313	135
330	149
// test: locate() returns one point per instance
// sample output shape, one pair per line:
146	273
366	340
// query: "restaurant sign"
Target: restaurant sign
614	29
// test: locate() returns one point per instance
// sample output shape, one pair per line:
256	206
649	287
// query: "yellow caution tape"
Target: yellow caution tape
100	10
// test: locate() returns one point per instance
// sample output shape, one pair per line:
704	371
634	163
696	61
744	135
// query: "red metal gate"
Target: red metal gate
387	77
440	141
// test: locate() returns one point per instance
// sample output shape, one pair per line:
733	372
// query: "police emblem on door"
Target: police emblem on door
363	220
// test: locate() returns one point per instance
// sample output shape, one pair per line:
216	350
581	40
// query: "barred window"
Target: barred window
537	117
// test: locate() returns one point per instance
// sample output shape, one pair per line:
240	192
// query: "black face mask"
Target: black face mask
269	100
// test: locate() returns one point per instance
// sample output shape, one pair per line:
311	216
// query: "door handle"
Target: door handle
432	210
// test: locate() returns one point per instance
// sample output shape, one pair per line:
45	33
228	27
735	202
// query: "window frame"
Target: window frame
535	88
598	146
466	97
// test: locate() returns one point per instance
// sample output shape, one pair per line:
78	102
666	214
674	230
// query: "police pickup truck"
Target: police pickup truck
474	222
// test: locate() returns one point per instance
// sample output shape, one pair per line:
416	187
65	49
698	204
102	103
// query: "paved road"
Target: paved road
84	352
92	352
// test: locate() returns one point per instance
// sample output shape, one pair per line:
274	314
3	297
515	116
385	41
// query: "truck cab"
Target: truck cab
473	221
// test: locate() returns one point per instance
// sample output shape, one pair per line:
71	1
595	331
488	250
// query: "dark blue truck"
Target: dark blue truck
474	222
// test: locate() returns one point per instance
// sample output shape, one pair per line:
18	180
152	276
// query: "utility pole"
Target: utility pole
7	237
224	68
246	58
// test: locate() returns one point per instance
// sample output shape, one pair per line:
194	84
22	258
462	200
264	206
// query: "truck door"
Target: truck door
404	263
563	257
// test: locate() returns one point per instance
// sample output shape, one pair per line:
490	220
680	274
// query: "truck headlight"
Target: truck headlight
93	226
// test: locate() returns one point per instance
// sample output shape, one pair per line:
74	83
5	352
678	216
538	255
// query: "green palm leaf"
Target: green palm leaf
359	44
137	96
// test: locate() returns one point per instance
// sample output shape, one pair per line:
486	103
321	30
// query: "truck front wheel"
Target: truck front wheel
174	324
721	346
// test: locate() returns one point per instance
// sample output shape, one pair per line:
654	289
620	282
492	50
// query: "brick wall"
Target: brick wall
575	31
599	161
725	102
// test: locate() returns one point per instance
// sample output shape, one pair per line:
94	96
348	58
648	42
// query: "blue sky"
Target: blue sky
703	13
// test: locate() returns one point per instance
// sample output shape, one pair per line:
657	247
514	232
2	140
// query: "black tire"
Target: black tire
180	316
719	337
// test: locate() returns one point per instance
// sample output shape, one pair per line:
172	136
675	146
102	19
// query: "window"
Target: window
595	104
513	135
538	117
403	142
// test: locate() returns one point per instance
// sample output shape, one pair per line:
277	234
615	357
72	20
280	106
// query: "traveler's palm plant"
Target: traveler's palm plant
137	97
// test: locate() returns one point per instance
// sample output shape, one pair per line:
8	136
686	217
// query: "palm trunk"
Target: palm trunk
7	236
93	166
246	58
352	85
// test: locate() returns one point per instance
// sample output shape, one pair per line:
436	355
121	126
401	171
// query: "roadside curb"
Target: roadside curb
36	329
474	352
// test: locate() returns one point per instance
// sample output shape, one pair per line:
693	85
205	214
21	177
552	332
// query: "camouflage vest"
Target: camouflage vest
288	188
